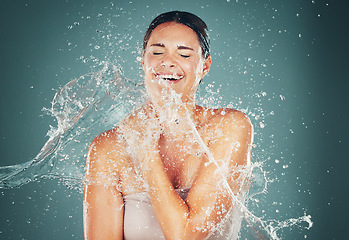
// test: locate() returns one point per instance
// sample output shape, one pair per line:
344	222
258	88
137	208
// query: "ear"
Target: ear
206	66
143	53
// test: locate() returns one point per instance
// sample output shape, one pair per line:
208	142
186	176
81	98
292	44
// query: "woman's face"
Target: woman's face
173	58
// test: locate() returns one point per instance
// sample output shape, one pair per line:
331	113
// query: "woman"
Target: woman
168	170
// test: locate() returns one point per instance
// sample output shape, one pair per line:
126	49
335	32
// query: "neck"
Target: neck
176	116
172	109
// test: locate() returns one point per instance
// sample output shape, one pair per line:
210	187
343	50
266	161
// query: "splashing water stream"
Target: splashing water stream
96	102
92	104
83	108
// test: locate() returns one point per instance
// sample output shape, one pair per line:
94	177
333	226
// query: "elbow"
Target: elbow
188	230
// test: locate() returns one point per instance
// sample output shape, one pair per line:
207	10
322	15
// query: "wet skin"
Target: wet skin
160	141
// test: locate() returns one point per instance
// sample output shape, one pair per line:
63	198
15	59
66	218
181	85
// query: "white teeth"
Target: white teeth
167	76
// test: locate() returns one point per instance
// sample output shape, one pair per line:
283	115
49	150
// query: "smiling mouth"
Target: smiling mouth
169	77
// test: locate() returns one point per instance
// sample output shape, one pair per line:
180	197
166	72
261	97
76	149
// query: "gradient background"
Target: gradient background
298	49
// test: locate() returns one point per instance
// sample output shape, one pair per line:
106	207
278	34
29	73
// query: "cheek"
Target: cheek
150	59
189	67
193	68
147	65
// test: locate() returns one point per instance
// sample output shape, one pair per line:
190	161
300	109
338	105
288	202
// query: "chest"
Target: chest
182	157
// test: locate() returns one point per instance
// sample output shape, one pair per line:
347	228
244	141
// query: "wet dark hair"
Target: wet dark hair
187	19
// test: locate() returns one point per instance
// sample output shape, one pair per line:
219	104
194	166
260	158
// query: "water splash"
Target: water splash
96	102
83	108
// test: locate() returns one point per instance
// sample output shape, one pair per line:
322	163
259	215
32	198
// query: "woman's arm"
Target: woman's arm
103	213
103	203
208	202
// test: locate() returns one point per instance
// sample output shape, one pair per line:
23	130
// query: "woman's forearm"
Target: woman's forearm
171	210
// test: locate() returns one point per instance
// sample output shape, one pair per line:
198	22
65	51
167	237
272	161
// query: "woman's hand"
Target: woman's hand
147	134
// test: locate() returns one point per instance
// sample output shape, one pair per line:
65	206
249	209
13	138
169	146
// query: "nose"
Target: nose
168	61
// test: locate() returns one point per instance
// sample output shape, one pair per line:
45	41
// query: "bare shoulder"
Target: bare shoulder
233	134
106	154
230	136
231	120
133	120
107	141
113	143
115	138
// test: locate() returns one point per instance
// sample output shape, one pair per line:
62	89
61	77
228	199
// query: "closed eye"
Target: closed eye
157	53
185	56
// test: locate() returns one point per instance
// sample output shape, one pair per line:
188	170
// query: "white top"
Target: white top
140	221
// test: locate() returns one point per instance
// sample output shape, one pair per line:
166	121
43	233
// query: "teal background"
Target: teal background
301	57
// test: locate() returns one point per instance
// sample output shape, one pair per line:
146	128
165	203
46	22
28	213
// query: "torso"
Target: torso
181	156
114	154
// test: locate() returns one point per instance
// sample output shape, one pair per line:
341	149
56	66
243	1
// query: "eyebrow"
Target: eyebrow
185	48
157	45
179	47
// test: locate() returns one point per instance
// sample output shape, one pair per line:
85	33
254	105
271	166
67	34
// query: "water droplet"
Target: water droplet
261	125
